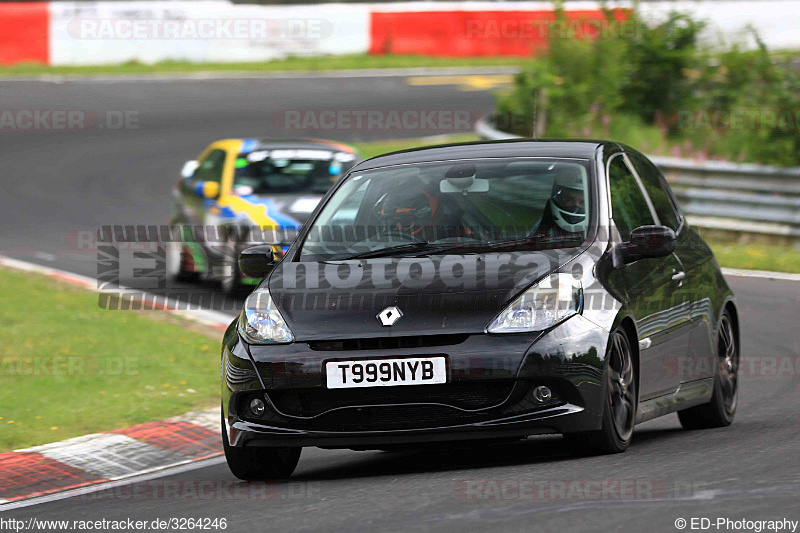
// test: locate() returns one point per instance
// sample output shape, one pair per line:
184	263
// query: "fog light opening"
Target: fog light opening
257	406
542	394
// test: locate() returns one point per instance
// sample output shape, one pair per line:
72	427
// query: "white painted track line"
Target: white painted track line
764	274
273	75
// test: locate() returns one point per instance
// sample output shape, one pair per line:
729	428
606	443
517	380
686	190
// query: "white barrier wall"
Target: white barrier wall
776	21
86	33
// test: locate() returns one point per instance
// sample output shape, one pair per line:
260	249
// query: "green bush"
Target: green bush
656	88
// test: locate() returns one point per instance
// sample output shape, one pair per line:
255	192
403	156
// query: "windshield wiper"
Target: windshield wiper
424	247
429	248
538	238
385	252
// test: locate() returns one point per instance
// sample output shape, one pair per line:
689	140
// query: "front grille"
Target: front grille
312	402
388	343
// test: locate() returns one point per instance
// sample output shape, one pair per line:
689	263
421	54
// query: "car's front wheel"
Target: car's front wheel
720	410
176	260
231	280
256	463
620	401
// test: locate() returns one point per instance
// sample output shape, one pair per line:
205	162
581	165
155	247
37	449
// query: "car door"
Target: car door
696	362
658	309
197	211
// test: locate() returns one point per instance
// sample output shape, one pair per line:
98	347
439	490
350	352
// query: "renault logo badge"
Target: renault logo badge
389	316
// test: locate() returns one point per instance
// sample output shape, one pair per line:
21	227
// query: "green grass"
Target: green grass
371	149
757	256
68	367
354	61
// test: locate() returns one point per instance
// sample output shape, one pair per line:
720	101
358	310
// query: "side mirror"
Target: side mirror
207	189
648	241
256	261
189	168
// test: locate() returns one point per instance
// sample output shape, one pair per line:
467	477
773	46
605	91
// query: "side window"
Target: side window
210	168
657	190
628	206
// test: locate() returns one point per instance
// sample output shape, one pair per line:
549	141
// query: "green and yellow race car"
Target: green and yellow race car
241	192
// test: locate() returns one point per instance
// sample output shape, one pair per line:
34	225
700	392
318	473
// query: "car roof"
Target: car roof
571	148
301	144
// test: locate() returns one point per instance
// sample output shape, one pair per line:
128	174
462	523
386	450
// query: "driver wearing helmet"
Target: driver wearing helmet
565	212
406	211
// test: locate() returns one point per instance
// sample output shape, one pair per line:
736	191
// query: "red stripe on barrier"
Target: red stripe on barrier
480	33
24	33
25	475
190	440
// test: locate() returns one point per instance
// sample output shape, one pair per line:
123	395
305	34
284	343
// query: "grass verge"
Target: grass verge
68	367
343	62
757	256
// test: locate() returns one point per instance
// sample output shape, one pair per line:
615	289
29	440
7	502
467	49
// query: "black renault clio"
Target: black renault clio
480	291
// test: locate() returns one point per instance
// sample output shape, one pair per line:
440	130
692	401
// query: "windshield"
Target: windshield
287	171
467	205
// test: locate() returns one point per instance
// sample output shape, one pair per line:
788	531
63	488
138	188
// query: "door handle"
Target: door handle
678	276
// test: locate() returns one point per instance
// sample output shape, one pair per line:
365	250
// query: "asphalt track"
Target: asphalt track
54	183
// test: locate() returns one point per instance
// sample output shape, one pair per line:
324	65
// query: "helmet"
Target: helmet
404	210
567	203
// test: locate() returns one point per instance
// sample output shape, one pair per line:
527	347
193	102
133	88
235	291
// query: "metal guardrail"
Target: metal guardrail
731	197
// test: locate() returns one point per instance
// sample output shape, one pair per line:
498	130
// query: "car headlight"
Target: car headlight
261	322
552	300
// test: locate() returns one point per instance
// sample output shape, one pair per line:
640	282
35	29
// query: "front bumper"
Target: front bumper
488	394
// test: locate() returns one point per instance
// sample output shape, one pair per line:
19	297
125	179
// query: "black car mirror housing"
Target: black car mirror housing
257	261
648	242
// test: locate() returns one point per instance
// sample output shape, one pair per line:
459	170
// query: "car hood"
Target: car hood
447	294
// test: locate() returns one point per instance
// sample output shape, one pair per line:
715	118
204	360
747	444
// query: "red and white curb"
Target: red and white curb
110	456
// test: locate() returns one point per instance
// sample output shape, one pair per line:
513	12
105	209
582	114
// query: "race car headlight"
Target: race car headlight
552	300
261	322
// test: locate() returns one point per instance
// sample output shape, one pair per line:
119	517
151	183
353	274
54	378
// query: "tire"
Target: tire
232	283
255	463
719	412
620	403
176	262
